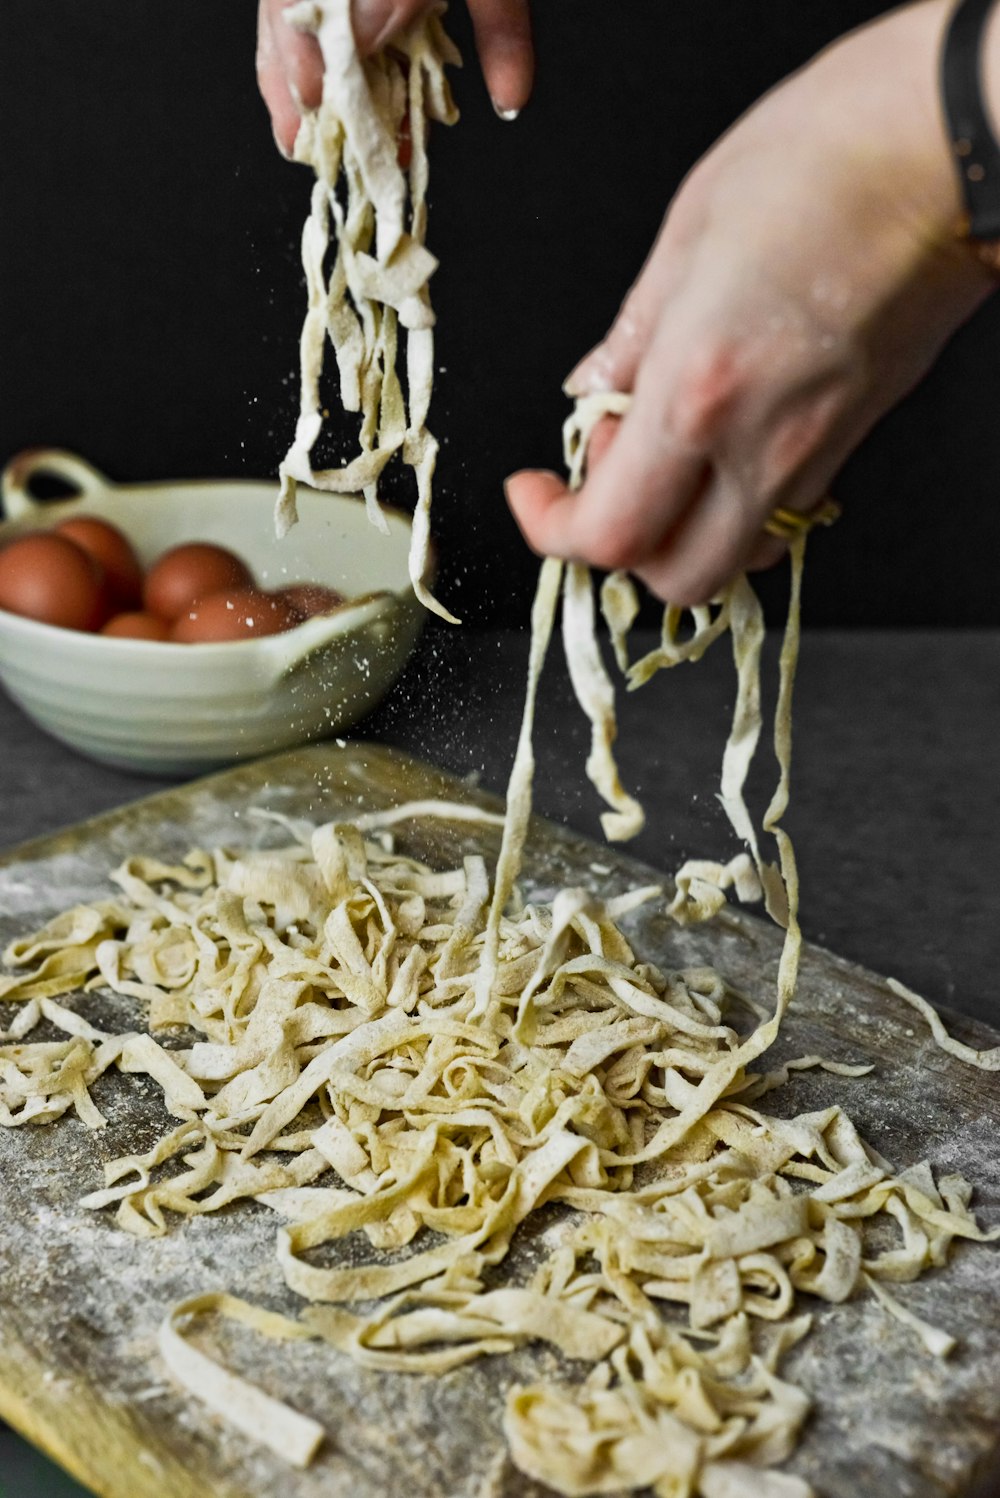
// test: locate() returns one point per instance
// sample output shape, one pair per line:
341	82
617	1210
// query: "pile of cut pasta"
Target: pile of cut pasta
377	1047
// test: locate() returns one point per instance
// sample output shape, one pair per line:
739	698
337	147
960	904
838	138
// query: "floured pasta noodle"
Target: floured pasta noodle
376	292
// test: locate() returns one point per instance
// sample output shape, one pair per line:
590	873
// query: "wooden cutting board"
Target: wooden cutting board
80	1300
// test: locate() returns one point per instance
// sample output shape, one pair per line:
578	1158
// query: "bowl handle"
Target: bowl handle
24	466
287	652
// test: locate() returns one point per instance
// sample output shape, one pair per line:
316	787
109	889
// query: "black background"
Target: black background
151	290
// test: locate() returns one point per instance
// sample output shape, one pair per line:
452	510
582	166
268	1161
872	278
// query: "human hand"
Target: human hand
805	277
290	68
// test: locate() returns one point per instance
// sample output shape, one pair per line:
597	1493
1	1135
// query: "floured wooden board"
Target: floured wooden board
81	1300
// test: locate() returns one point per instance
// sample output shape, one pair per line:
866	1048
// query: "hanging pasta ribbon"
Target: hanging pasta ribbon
378	284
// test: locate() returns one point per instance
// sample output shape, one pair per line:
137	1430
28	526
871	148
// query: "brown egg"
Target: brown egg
137	626
112	548
242	615
51	579
182	577
310	599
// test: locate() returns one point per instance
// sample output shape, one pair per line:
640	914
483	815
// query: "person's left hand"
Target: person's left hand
807	274
290	68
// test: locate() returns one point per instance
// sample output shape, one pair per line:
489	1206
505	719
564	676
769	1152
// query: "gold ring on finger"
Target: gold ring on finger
787	524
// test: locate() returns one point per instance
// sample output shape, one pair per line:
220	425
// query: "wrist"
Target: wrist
990	68
915	37
967	70
925	25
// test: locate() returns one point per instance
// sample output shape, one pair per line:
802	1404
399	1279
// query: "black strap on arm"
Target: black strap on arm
977	155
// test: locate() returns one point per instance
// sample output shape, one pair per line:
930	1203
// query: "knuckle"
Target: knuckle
799	438
707	395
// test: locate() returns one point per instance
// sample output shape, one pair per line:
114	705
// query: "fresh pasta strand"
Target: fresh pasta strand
295	1438
377	290
984	1060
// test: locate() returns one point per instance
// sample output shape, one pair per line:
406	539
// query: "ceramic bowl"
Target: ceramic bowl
185	709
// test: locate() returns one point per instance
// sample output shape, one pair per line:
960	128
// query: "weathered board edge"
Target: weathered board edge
90	1438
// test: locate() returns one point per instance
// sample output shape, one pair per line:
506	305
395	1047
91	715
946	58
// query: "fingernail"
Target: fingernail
588	377
576	383
504	114
282	147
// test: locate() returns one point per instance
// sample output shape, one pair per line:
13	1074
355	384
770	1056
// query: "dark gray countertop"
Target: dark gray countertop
895	801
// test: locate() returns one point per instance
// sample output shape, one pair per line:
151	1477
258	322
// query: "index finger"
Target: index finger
506	55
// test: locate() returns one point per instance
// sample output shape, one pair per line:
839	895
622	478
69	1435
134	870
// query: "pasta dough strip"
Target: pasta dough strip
295	1438
379	281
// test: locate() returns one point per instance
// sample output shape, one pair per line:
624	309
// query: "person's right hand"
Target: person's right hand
290	68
